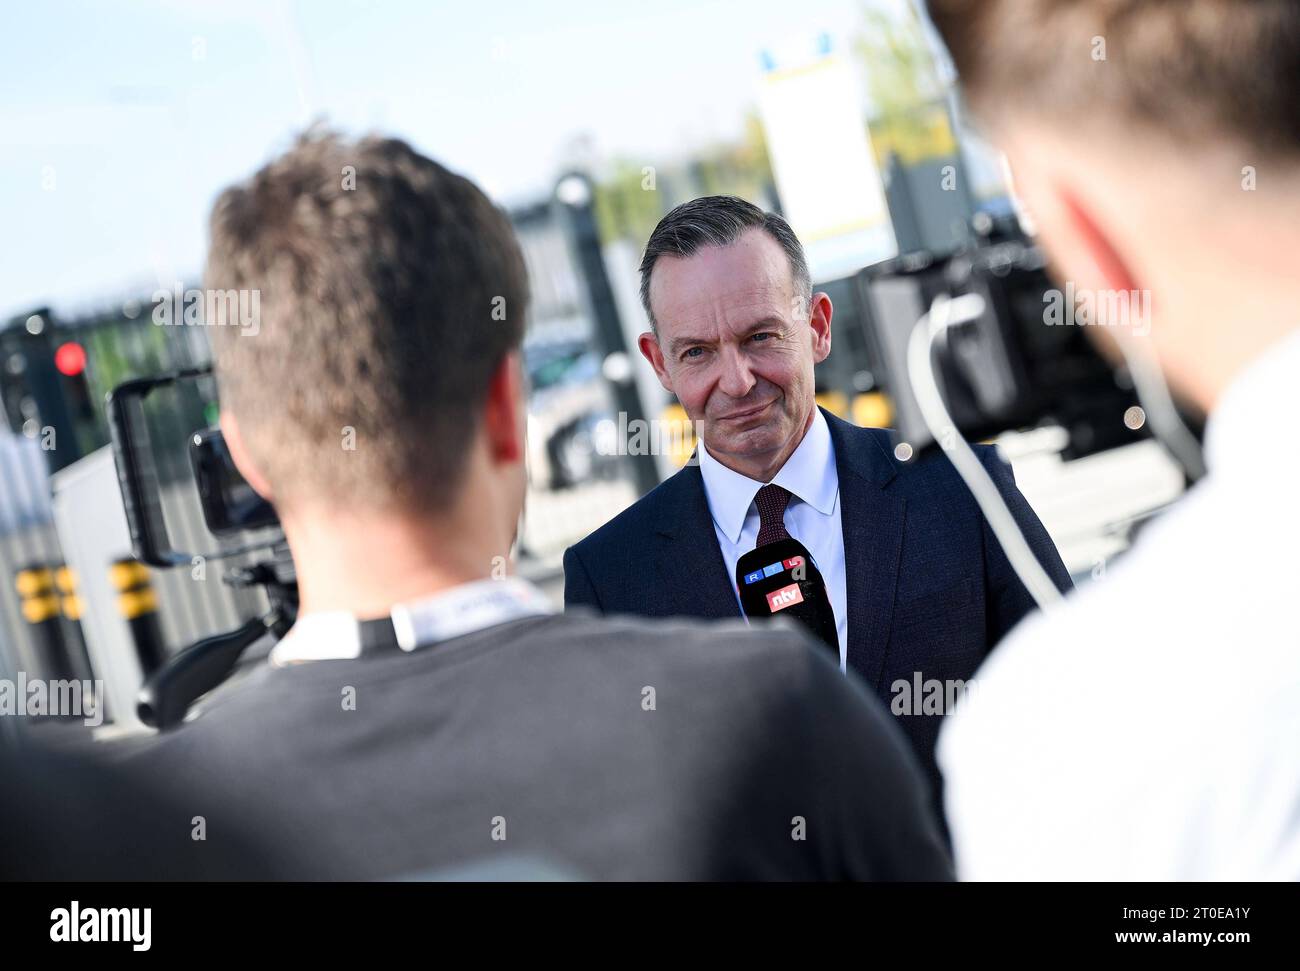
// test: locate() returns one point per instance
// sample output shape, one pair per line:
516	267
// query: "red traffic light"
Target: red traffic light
70	359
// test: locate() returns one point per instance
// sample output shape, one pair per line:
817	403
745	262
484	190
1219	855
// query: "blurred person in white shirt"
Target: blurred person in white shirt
1149	728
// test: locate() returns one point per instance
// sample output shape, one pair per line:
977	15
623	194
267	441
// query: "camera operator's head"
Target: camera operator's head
1156	147
379	401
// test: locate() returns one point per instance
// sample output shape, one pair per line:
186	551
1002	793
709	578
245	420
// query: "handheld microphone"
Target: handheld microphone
780	579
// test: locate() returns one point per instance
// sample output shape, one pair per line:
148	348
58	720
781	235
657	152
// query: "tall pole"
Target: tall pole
575	196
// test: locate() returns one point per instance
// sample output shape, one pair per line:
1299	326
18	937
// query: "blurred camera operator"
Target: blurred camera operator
1148	729
428	711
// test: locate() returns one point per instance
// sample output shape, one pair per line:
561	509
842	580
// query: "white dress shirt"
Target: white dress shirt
812	517
1150	730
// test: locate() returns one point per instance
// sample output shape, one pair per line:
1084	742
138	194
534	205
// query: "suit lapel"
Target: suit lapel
873	523
691	571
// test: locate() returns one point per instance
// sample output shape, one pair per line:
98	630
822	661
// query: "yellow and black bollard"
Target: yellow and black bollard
40	608
139	605
72	607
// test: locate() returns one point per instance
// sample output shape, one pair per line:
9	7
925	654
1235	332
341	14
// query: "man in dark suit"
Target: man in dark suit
919	587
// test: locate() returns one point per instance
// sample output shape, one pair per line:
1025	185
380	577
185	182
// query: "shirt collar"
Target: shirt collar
462	609
1248	430
809	473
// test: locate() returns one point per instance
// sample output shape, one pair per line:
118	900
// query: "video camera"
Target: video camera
229	506
968	350
1008	367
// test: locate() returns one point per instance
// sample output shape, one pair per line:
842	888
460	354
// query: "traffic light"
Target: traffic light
70	361
42	400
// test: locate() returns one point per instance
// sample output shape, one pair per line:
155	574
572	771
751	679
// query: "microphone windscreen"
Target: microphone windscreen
781	579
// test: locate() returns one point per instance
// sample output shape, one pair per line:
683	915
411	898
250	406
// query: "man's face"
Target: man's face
737	345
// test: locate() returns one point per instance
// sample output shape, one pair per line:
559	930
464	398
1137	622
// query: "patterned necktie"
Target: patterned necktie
771	501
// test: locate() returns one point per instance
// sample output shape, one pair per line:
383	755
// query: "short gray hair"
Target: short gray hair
718	221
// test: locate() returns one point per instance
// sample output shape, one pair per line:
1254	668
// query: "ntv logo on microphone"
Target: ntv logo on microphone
785	597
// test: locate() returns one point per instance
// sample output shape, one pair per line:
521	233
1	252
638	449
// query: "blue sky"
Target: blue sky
120	122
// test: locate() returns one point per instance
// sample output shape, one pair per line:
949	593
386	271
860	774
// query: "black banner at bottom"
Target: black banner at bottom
206	921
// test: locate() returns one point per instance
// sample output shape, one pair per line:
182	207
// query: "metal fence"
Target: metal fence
27	541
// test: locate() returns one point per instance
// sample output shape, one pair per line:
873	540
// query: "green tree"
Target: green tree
908	113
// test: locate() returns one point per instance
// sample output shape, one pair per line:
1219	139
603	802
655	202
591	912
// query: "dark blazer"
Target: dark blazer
929	590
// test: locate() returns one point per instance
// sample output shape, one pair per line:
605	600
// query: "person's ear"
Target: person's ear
652	352
234	437
1080	246
504	415
1081	249
1097	266
820	321
1097	262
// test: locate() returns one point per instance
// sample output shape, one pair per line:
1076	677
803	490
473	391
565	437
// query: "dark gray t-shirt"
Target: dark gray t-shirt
563	745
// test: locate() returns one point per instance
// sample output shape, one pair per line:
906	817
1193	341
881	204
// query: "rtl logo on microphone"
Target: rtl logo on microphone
785	597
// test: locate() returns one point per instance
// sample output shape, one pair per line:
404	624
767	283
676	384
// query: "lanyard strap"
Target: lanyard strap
454	613
451	613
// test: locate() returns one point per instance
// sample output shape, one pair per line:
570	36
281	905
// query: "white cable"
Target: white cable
1166	424
945	313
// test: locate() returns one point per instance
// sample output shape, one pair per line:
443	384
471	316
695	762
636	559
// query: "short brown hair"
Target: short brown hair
1187	68
390	290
